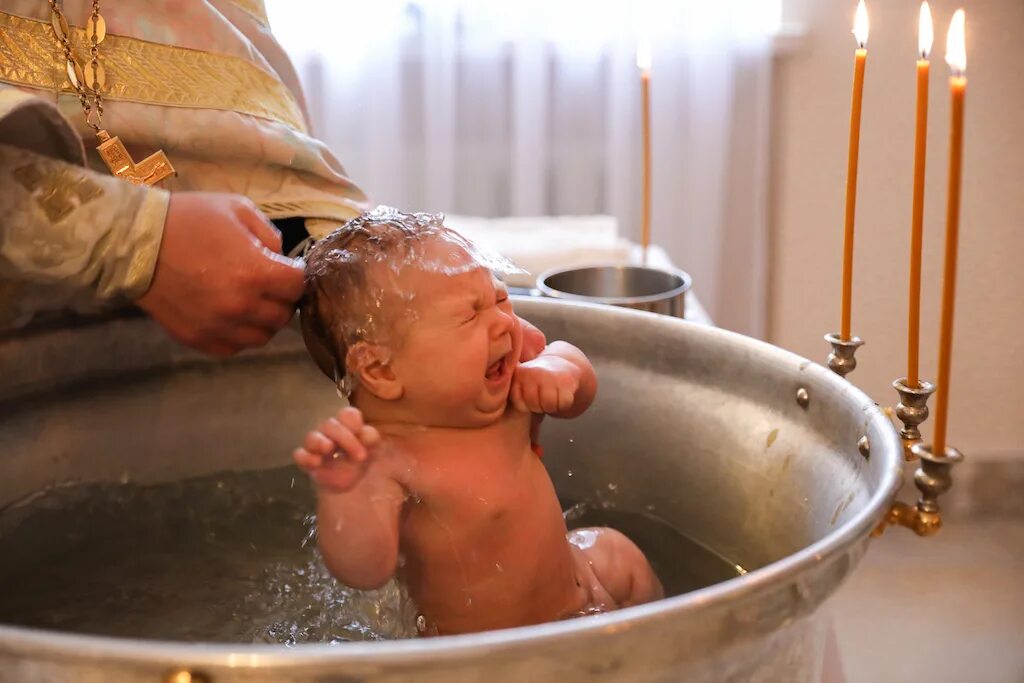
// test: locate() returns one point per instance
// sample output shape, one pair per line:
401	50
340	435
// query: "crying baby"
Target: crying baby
434	462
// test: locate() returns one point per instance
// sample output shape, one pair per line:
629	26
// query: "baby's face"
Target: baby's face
457	358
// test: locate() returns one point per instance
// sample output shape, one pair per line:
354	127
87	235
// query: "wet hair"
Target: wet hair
352	292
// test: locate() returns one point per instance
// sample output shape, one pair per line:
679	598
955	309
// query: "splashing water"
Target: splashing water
232	558
228	558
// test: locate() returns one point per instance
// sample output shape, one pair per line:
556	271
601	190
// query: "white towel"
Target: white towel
537	244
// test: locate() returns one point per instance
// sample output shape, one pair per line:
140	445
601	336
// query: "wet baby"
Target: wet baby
432	473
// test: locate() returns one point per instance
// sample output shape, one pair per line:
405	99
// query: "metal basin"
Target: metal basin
701	425
657	290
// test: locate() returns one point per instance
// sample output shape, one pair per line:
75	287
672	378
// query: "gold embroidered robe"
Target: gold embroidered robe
203	80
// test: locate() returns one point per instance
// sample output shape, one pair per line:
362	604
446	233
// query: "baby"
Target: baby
432	473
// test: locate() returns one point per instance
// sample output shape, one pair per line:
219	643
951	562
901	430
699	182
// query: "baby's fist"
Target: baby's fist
547	384
336	454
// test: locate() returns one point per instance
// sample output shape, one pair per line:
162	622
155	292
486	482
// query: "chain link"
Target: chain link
95	52
75	75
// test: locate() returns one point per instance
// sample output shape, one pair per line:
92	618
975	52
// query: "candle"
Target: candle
643	62
924	46
860	32
956	57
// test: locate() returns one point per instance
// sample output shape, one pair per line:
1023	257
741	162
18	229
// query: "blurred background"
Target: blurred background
530	108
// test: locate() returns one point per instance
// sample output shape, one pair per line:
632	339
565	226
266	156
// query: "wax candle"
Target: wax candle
643	62
860	32
956	57
924	46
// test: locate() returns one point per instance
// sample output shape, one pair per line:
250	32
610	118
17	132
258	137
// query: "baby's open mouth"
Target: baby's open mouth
496	370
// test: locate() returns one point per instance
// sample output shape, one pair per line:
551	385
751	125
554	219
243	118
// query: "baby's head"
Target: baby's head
407	313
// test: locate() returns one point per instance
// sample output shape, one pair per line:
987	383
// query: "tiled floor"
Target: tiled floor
943	609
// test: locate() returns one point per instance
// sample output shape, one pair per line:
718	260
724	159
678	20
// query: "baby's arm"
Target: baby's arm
559	382
358	502
358	530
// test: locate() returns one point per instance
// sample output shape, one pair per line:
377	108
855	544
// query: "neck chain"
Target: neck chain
88	81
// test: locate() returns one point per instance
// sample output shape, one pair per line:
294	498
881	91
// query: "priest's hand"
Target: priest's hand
221	284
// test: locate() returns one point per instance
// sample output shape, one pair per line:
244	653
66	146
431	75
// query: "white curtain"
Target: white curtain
532	107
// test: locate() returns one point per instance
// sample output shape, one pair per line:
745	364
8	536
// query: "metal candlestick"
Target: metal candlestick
842	361
912	410
932	478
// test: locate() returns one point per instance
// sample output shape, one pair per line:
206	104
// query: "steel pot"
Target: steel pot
657	290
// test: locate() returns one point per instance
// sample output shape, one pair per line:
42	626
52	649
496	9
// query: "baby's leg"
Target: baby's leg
620	567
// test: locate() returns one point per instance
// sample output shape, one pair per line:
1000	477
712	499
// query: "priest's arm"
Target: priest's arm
201	264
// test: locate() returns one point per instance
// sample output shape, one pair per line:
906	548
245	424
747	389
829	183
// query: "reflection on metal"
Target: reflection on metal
864	446
803	399
185	676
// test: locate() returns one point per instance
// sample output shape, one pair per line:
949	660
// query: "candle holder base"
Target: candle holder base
912	410
932	478
842	360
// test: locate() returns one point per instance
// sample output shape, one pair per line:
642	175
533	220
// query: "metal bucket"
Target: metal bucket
657	290
701	425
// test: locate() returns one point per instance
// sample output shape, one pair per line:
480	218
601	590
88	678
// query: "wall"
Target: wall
810	129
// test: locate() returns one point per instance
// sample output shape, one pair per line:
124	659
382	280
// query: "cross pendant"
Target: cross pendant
149	171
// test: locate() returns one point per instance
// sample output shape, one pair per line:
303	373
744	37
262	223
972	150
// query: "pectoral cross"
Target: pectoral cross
149	171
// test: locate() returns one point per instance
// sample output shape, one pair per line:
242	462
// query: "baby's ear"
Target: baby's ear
370	363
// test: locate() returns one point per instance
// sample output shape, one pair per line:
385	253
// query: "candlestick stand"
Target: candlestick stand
912	410
842	361
932	478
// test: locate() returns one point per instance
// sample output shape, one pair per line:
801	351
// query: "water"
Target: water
231	558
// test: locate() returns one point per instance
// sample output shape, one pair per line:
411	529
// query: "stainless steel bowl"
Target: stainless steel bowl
657	290
699	425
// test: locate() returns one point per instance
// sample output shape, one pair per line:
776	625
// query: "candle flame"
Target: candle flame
956	50
860	25
643	55
925	32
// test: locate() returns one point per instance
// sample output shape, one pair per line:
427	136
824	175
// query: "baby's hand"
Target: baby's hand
533	341
546	384
336	454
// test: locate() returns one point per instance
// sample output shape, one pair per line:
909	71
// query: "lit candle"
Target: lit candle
956	57
924	46
860	32
643	62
